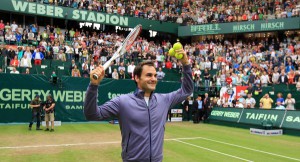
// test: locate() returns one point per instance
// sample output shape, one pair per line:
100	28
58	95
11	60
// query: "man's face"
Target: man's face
147	82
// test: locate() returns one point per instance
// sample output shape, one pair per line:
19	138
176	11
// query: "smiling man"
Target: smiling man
142	115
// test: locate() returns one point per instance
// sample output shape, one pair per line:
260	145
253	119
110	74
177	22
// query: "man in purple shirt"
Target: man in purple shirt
142	115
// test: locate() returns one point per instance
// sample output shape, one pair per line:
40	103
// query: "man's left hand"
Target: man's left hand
184	60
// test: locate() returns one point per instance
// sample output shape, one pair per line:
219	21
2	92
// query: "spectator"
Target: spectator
14	71
266	102
289	102
18	38
264	79
27	71
121	66
75	72
250	101
115	74
25	61
122	74
245	78
2	26
279	106
289	67
61	56
280	98
275	76
85	69
73	64
7	27
206	106
239	104
258	90
298	85
92	66
130	69
168	64
15	62
207	79
283	79
198	109
37	57
160	74
85	54
28	53
291	76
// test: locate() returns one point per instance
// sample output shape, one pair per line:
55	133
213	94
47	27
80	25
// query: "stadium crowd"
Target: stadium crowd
254	62
189	12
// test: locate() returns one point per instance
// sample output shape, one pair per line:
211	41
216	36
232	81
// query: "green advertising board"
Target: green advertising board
16	92
279	118
257	116
32	8
291	120
232	115
240	27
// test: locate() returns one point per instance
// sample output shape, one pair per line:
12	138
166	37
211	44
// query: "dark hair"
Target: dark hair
139	68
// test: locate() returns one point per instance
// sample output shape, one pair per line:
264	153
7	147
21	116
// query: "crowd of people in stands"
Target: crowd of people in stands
191	11
253	62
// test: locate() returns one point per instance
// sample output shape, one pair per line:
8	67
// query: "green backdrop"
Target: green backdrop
17	90
279	118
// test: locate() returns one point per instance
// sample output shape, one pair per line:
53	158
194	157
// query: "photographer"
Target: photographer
36	112
49	112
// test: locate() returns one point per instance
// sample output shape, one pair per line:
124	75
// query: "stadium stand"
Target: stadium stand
257	60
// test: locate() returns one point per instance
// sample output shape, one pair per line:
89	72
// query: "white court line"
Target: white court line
247	148
213	151
60	145
79	144
116	142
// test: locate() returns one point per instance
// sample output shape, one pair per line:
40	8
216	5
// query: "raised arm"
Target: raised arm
187	86
91	110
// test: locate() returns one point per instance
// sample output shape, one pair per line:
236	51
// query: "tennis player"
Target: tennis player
142	115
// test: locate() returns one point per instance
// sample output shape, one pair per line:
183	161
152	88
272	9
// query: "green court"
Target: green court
184	141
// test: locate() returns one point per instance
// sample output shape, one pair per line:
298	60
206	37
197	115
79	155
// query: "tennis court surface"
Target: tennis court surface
184	141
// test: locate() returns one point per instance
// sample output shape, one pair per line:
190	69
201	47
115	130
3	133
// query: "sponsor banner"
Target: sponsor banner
264	132
17	91
68	13
257	116
279	118
292	120
178	111
176	115
240	27
232	114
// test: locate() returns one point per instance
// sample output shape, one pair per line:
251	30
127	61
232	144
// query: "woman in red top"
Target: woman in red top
52	37
168	64
15	62
291	76
2	26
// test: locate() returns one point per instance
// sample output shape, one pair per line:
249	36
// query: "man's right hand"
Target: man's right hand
98	71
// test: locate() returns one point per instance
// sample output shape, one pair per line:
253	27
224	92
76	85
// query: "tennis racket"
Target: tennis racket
126	45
